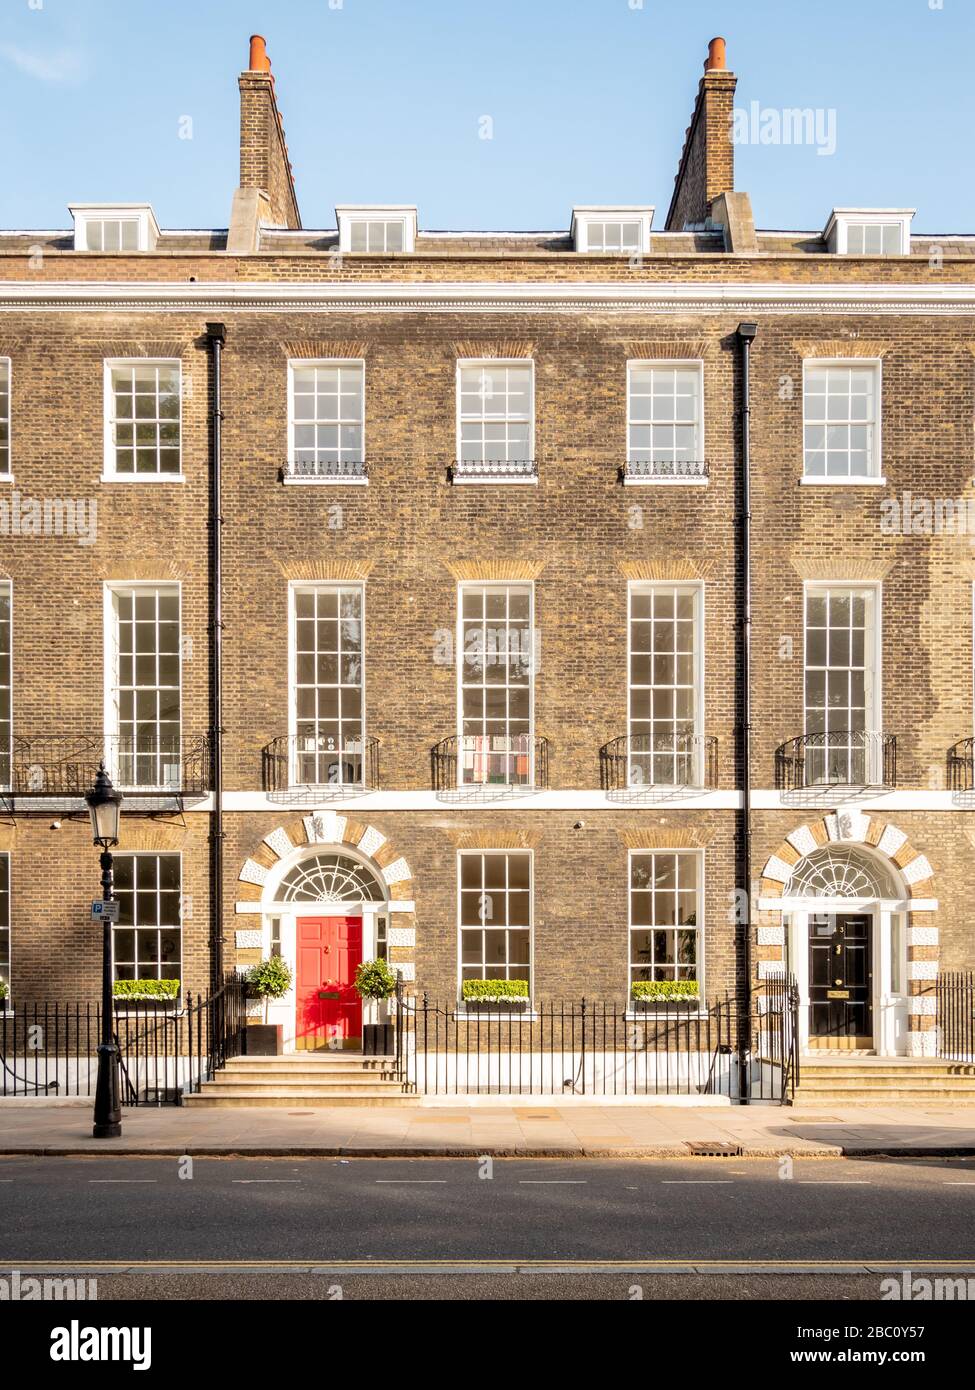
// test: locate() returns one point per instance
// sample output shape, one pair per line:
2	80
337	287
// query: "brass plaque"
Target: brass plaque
837	994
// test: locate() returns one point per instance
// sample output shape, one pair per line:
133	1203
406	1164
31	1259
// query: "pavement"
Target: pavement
557	1131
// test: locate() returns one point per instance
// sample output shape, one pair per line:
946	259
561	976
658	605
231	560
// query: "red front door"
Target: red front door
329	1012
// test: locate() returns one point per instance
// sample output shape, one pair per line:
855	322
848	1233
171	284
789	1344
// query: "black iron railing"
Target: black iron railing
318	470
841	757
594	1047
640	762
64	765
955	994
322	763
490	763
493	470
961	766
166	1049
664	470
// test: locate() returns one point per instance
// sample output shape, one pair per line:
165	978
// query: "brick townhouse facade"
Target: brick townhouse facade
482	677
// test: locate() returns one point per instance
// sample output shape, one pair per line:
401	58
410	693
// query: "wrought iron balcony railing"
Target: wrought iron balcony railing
839	758
490	764
636	764
325	471
961	766
494	471
64	765
321	764
665	470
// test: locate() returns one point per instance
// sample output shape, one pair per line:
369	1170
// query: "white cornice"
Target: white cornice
481	297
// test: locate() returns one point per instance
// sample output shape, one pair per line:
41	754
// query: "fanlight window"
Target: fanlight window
329	878
838	872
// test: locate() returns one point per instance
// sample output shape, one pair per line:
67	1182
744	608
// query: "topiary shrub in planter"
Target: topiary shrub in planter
376	980
666	994
4	991
146	991
269	980
510	993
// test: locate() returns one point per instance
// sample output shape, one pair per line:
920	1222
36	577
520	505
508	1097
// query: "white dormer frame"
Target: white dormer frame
348	213
582	216
140	213
840	219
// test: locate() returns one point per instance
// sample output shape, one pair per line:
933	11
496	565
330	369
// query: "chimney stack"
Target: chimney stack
264	165
707	163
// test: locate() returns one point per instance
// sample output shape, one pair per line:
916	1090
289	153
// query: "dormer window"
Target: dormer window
114	227
382	230
622	231
869	232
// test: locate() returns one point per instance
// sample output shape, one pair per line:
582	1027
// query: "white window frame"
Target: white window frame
7	474
699	856
109	473
487	584
296	364
696	588
876	477
836	233
663	364
873	689
479	363
481	851
296	586
141	213
156	854
403	213
584	216
110	661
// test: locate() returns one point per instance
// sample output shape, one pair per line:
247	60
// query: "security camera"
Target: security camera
579	825
55	825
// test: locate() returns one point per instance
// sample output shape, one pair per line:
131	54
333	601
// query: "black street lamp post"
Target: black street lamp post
104	805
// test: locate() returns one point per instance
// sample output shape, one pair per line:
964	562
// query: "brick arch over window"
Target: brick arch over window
906	866
328	830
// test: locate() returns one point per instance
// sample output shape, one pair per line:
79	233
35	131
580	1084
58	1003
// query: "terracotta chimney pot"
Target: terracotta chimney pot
259	61
717	56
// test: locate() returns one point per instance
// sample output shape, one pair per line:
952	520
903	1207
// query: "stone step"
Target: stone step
294	1096
231	1085
352	1060
308	1073
903	1095
912	1077
336	1081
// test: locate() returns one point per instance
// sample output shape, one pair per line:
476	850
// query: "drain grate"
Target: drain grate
705	1149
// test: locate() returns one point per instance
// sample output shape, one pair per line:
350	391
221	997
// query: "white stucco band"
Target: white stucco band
922	936
922	969
402	936
771	936
922	1042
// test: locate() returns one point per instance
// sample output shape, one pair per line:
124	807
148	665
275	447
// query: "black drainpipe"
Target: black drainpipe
746	336
215	337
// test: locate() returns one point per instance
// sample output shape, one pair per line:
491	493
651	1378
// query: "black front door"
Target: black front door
839	978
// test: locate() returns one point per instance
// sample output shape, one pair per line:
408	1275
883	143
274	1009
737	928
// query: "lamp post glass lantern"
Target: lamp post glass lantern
105	806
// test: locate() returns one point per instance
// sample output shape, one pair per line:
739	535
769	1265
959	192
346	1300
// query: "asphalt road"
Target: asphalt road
611	1219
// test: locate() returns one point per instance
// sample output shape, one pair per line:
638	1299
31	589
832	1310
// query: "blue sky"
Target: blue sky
383	100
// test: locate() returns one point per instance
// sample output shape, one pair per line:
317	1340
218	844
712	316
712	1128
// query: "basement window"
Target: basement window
622	231
859	232
376	230
110	228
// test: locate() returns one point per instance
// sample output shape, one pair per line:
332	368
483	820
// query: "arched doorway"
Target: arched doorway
845	917
324	909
